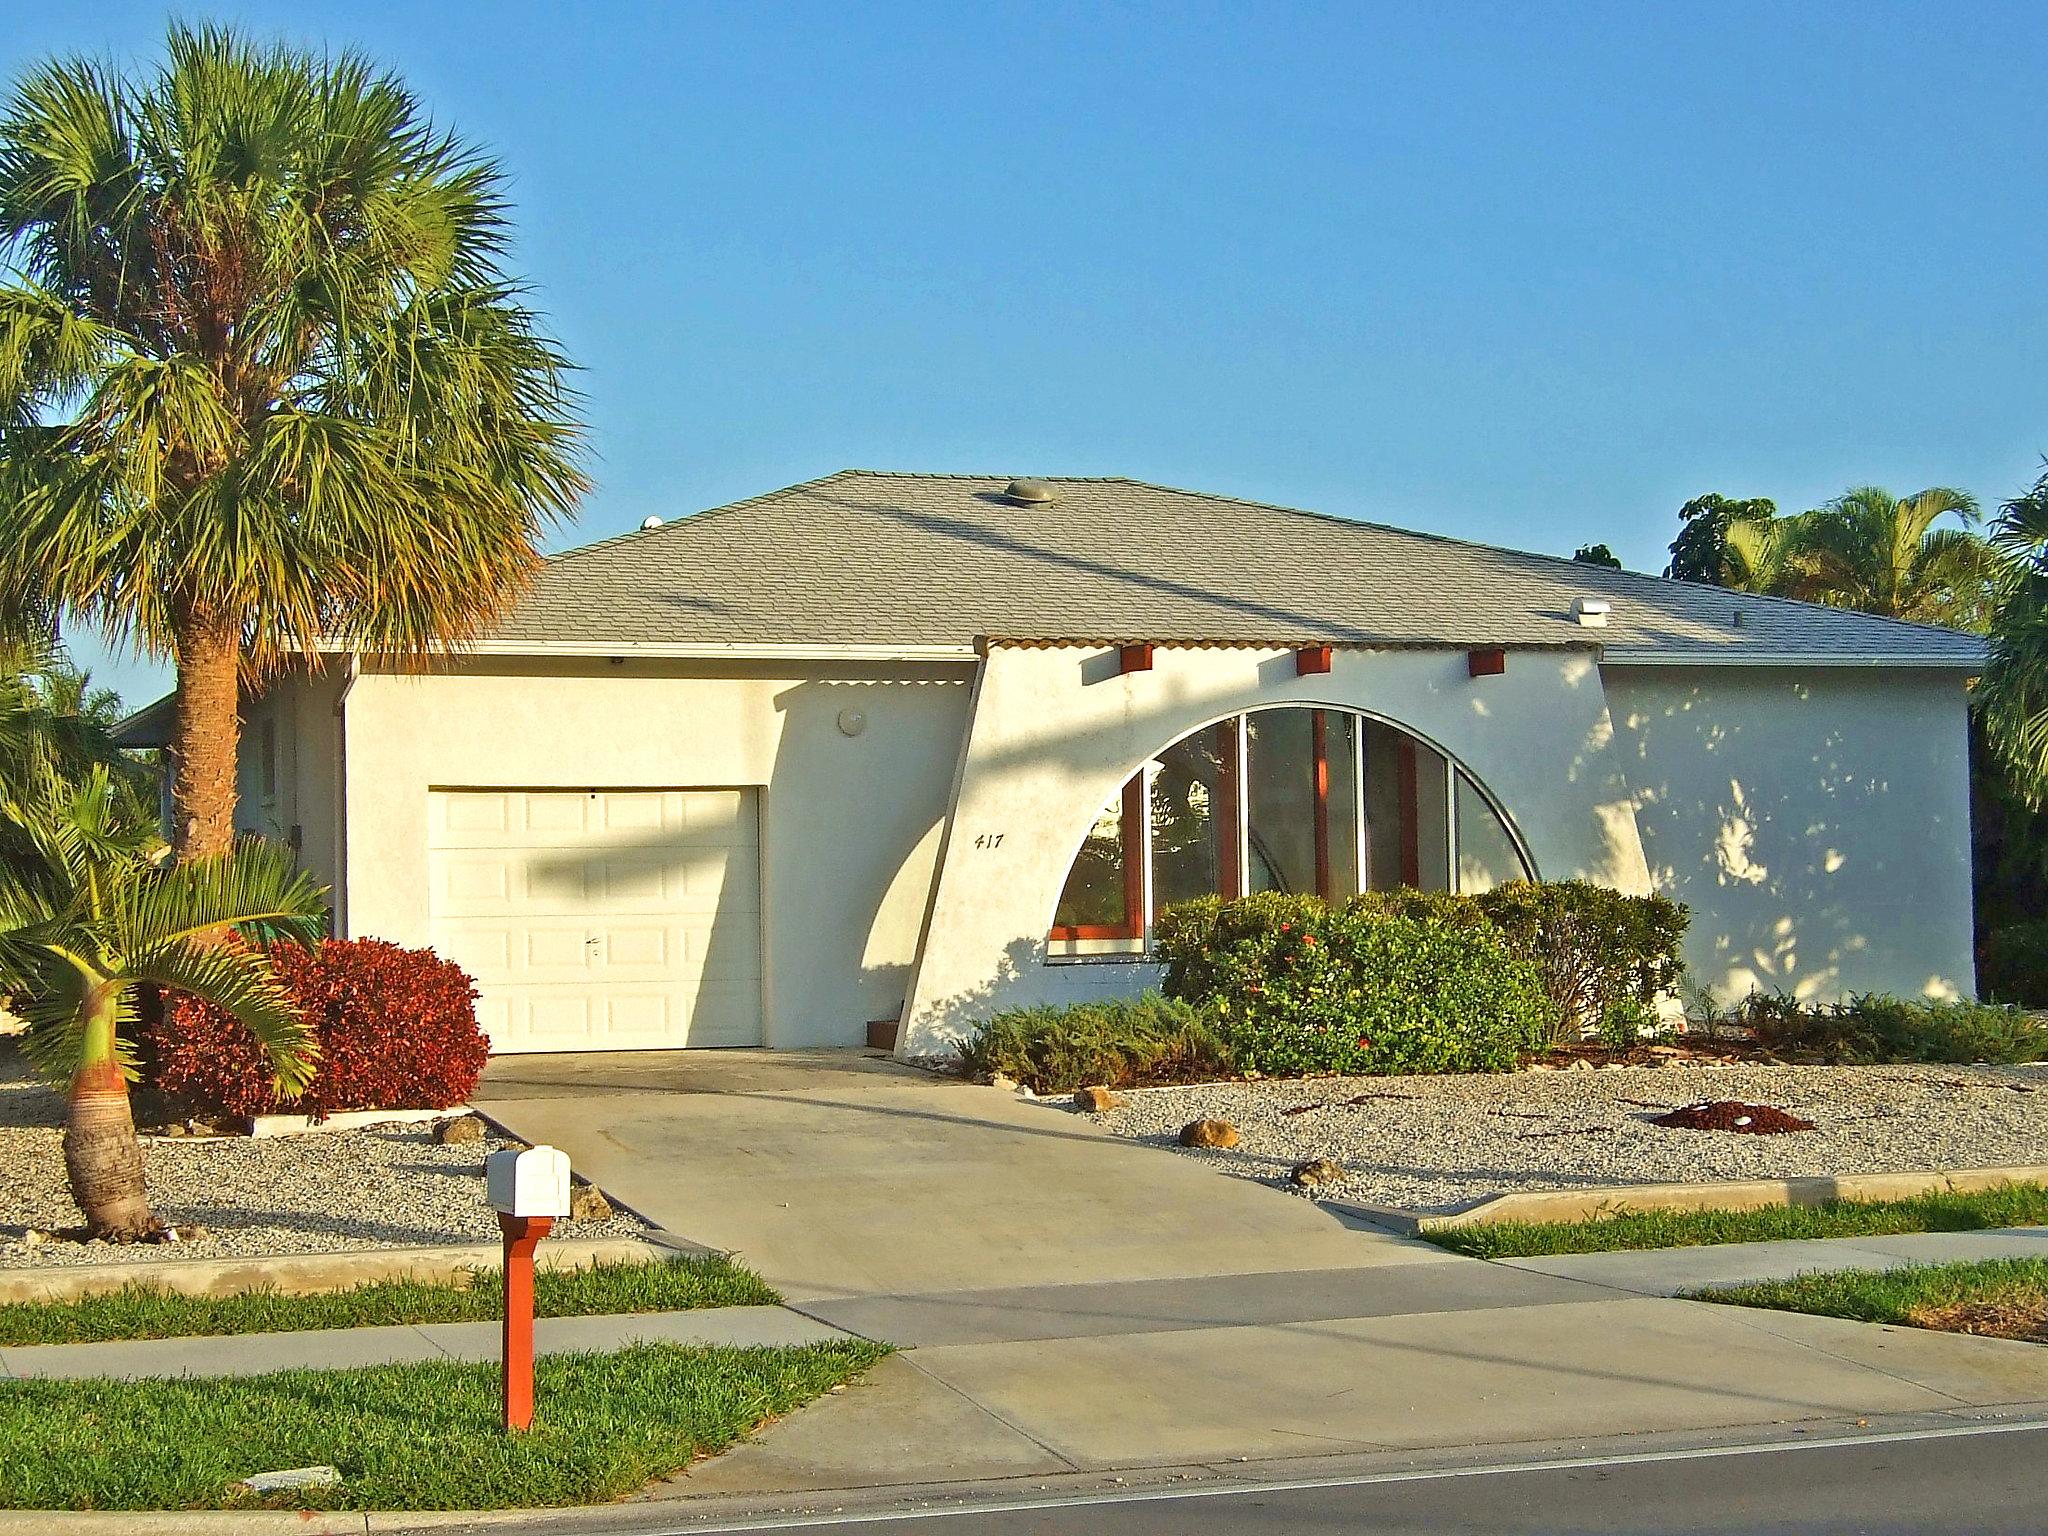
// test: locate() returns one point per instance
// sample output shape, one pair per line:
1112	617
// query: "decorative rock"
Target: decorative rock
1005	1082
1208	1133
1316	1172
292	1478
1096	1099
587	1203
459	1129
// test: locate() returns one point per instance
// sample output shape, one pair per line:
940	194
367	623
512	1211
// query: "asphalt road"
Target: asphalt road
1976	1482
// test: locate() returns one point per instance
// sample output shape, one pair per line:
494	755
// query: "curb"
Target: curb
1733	1195
298	1274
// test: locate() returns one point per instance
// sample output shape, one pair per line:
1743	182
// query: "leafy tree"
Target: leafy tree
2013	696
86	913
1597	554
1699	553
264	382
1883	554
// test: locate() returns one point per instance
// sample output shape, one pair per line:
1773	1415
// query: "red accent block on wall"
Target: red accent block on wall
1488	663
1312	658
1134	658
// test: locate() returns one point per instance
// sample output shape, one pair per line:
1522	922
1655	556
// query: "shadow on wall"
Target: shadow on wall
1807	827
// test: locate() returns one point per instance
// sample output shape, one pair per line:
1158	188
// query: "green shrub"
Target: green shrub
1625	1022
1874	1029
1595	946
2013	967
1120	1042
1297	986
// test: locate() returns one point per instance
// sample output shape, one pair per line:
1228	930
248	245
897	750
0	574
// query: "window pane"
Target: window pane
1094	894
1487	855
1432	819
1280	795
1191	817
1340	749
1382	807
1407	811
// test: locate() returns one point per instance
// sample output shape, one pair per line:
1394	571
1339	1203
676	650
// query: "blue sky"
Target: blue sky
1532	274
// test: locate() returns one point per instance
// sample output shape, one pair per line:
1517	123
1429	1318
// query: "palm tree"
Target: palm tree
85	915
265	388
1882	554
1766	554
2013	695
53	721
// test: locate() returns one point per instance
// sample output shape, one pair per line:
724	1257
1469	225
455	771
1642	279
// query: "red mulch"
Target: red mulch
1733	1115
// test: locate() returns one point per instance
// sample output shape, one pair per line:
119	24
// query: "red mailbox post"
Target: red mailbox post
529	1190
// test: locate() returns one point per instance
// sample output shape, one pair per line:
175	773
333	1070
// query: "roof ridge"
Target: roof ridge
687	518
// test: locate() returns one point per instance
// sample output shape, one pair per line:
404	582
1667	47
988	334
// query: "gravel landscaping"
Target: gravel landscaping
380	1187
1439	1143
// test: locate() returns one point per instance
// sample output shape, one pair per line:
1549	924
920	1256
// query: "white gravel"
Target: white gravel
1439	1143
323	1192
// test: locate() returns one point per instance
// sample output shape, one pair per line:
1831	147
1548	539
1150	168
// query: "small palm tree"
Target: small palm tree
265	387
2013	695
85	915
1883	554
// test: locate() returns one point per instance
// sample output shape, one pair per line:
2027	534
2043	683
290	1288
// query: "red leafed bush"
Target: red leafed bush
397	1030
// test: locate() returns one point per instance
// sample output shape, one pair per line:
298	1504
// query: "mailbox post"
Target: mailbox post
528	1190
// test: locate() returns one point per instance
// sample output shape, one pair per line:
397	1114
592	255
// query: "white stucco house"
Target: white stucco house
883	748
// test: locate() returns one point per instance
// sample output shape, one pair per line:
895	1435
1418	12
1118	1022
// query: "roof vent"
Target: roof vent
1030	493
647	523
1590	611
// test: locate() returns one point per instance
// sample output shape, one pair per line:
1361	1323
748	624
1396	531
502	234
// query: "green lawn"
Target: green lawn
145	1312
2001	1296
2010	1205
420	1436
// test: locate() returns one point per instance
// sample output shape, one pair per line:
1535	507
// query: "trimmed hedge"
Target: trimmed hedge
1601	953
1874	1030
396	1029
2013	966
1298	986
1118	1042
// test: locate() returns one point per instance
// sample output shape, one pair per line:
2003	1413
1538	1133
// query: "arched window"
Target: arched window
1322	801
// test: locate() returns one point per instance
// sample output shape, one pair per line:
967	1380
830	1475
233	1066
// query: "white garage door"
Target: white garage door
602	920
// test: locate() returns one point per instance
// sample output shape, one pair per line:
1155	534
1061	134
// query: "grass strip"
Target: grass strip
1947	1296
144	1311
2008	1205
406	1437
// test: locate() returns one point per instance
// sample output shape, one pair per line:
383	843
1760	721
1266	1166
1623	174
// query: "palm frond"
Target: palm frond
241	982
256	890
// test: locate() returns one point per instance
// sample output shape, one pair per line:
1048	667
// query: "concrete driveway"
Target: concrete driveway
843	1173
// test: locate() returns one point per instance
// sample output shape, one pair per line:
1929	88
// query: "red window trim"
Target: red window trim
1130	834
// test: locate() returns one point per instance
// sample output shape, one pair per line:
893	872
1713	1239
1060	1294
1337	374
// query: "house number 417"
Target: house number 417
989	840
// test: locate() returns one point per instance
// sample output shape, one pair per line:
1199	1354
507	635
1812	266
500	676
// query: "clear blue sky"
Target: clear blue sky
1525	273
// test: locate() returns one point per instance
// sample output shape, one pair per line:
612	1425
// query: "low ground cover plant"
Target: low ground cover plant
1874	1030
2012	966
2003	1298
1298	986
144	1311
396	1029
1120	1042
2008	1205
405	1437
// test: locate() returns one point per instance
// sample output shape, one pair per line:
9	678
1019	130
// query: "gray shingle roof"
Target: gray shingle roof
869	559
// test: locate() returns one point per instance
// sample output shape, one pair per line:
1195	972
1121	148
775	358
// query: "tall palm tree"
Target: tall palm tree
85	915
1767	554
265	387
1883	554
2013	695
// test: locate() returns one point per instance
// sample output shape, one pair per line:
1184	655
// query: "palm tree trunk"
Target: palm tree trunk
206	731
101	1154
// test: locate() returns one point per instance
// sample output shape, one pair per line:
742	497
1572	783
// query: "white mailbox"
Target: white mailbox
530	1183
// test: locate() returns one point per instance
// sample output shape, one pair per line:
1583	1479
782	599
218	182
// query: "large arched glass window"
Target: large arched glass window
1320	801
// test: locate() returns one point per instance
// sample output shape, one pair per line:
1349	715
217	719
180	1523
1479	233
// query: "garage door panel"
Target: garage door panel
597	919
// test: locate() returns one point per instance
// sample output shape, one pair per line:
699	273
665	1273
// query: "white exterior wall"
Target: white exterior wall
850	824
1057	730
305	733
1817	823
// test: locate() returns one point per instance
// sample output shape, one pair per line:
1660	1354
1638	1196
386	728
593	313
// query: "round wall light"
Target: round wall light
852	722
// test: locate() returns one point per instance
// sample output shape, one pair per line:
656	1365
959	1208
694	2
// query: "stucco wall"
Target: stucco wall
298	708
1817	822
1056	730
849	823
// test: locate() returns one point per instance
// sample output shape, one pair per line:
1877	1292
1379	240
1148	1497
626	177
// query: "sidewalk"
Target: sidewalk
254	1354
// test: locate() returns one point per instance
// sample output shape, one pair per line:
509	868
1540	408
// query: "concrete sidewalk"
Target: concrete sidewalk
255	1354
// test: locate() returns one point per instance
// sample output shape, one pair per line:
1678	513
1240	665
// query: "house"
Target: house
881	747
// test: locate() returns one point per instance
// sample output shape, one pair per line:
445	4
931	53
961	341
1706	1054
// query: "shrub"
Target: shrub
2013	967
1874	1029
1120	1042
1298	986
396	1028
1595	946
